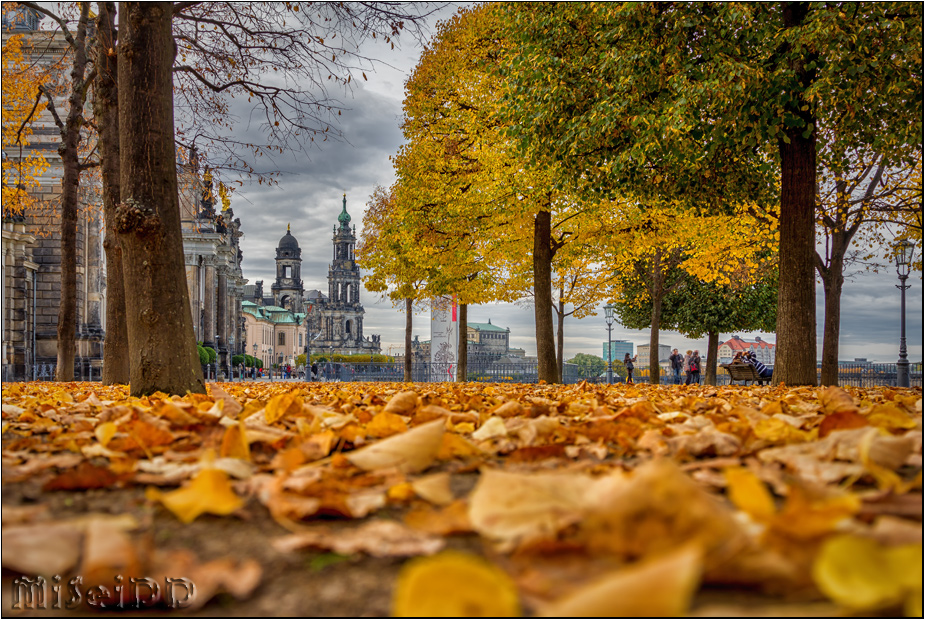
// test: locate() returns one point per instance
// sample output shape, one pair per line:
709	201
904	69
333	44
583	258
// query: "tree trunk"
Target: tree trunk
712	352
462	354
832	282
796	298
70	185
408	353
162	345
106	111
653	337
560	337
542	288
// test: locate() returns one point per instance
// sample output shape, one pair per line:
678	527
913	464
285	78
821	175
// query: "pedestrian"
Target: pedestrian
687	367
628	362
314	371
677	363
695	367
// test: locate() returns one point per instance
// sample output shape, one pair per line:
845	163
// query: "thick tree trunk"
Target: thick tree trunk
796	298
542	288
408	352
462	354
161	341
712	352
70	186
106	111
832	282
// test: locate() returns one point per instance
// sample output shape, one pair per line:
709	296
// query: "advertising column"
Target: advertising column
444	338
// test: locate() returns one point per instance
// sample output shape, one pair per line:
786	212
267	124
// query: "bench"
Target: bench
744	372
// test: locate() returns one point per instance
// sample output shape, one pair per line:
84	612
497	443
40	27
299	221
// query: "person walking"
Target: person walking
695	367
628	362
687	367
677	363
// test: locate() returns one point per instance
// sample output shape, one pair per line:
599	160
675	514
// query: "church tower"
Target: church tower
287	290
344	282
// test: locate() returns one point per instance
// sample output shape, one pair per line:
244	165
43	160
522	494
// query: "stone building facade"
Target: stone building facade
212	255
32	240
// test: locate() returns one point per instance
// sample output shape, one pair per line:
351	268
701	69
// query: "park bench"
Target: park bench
744	372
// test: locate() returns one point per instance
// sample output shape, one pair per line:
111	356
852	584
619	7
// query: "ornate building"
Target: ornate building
334	321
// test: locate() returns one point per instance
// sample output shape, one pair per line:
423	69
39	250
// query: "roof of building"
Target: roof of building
288	242
739	344
487	327
344	217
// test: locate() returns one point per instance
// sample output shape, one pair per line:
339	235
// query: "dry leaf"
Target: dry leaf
410	452
434	488
41	549
402	403
208	492
377	537
659	587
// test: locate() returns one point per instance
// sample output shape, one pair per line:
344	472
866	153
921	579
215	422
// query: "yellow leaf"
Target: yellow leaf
282	405
234	443
411	451
209	492
104	432
779	431
804	517
385	424
454	584
749	494
861	574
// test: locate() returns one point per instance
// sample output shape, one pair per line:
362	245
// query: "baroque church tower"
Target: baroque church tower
287	290
341	314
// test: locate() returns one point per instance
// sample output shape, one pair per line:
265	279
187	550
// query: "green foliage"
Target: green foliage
352	359
237	360
588	365
300	359
203	354
210	352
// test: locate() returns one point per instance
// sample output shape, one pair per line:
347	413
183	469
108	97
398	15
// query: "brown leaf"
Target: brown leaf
836	400
402	403
841	420
378	538
84	476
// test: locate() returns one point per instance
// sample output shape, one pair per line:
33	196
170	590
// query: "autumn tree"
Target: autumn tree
71	130
485	212
859	196
710	103
22	169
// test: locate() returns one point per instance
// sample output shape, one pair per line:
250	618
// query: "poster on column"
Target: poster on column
444	338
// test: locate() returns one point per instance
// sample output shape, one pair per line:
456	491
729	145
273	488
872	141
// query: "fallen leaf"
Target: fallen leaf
410	452
378	538
402	403
42	548
454	584
208	492
659	587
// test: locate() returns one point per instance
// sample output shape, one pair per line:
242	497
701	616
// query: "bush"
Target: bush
203	355
300	360
237	360
378	358
211	353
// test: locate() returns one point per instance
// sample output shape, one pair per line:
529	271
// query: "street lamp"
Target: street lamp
255	360
271	361
608	318
904	251
308	340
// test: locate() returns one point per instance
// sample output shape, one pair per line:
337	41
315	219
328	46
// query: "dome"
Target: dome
288	242
344	217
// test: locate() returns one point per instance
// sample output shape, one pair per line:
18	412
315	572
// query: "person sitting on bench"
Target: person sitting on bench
763	371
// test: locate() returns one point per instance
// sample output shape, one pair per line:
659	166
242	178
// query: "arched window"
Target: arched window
287	271
347	293
348	327
281	339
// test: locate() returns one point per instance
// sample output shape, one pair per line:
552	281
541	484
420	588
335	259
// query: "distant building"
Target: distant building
762	349
329	323
643	352
618	350
485	342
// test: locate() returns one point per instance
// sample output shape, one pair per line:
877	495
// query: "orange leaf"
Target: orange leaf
209	492
840	421
282	405
234	443
749	494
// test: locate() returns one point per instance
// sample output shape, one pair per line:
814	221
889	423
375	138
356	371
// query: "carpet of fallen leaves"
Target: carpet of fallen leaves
472	499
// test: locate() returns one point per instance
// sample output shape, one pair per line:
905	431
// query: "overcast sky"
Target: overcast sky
309	193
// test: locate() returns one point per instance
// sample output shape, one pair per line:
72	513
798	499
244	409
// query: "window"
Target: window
281	339
287	271
300	339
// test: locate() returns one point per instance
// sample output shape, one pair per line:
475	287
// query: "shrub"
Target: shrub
211	353
203	354
237	360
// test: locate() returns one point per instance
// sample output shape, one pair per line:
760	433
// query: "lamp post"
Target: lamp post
255	360
608	318
904	251
308	340
271	362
